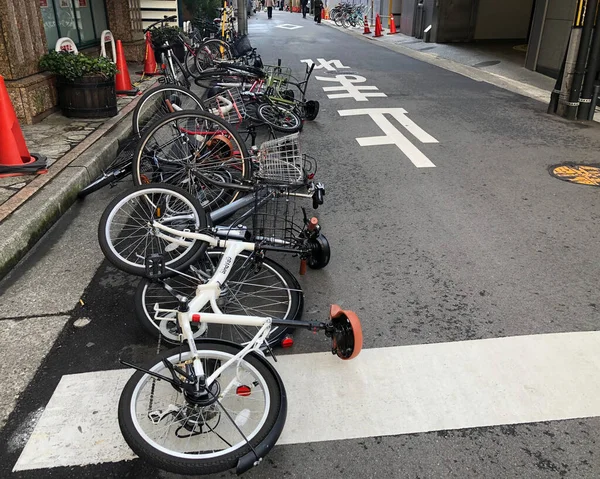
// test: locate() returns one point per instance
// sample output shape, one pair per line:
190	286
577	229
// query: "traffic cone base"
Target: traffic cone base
122	80
367	30
392	26
15	158
36	166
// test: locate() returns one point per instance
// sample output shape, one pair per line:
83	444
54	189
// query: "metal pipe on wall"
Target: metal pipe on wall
590	76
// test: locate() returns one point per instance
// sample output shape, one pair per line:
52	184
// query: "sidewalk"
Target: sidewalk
77	151
494	64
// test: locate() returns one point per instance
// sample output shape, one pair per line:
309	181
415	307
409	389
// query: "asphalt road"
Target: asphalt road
485	245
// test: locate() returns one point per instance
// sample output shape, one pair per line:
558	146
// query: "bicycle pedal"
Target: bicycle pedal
155	266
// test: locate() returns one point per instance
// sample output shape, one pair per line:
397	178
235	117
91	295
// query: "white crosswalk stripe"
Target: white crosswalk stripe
385	391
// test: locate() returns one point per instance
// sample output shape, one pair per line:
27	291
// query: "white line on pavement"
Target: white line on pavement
385	391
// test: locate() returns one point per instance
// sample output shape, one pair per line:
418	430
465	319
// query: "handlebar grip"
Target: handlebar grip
279	62
312	67
317	199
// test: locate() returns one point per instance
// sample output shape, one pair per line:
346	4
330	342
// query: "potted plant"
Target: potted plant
169	34
86	85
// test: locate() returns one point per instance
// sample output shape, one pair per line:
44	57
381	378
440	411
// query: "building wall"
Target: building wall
407	20
508	19
154	10
555	35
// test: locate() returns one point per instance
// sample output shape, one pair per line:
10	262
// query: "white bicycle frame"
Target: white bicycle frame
208	293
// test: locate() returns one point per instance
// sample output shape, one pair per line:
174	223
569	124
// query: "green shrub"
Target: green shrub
73	67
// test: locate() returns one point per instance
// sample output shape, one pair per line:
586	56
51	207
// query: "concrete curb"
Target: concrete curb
29	221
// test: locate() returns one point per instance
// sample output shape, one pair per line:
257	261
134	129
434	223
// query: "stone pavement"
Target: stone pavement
66	142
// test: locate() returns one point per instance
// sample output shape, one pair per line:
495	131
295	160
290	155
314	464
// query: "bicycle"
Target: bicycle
219	385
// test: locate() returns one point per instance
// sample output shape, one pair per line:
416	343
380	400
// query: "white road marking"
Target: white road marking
329	65
289	26
385	391
347	84
392	135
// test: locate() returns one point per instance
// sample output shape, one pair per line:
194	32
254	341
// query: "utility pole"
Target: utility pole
242	17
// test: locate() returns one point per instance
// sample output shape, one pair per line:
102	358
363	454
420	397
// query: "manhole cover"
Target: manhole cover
580	174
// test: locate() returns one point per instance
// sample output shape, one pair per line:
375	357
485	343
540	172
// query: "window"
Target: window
81	20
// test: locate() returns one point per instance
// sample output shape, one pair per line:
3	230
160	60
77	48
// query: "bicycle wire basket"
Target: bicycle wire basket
278	77
278	219
227	104
280	161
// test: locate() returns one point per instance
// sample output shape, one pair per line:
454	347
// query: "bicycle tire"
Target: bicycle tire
180	76
210	51
189	63
184	157
263	382
242	293
156	202
152	104
278	116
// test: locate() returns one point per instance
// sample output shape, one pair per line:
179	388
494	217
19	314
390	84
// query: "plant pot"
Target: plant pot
87	97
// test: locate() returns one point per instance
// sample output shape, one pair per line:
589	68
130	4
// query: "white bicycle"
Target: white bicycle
210	406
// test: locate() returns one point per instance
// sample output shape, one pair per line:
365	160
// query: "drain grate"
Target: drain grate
579	174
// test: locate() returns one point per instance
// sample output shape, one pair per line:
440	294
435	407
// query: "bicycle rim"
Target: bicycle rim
185	148
161	101
127	238
279	118
194	439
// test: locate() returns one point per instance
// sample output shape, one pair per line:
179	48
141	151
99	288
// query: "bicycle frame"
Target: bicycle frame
208	293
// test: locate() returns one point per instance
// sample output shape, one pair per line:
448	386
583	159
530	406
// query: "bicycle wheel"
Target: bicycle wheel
185	148
127	237
179	73
196	436
272	291
189	63
279	117
161	101
211	52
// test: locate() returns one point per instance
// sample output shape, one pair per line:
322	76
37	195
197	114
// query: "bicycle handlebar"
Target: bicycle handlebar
172	18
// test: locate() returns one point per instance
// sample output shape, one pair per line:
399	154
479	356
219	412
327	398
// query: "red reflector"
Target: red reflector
287	342
311	176
243	391
195	318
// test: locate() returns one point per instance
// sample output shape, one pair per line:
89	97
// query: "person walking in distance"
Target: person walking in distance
304	4
269	4
318	6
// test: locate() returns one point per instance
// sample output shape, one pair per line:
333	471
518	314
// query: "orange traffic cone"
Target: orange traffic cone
322	14
392	25
367	30
327	14
15	159
150	67
123	82
378	32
